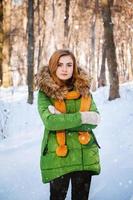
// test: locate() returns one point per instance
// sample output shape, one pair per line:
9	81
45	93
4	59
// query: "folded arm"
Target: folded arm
56	121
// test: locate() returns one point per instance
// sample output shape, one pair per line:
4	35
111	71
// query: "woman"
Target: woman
69	148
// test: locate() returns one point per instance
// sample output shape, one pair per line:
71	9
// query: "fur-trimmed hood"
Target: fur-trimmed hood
46	84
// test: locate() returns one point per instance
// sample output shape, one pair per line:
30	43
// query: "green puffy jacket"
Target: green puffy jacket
80	157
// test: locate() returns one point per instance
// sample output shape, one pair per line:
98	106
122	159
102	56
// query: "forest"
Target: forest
98	32
100	35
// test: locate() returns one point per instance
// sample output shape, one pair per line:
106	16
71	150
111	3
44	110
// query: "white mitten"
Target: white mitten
53	110
90	117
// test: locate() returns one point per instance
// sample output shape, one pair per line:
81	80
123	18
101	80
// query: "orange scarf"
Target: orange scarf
84	137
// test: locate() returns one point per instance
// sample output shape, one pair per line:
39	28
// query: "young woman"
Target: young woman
69	148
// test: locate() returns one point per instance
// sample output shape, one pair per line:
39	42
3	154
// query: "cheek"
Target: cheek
57	71
71	71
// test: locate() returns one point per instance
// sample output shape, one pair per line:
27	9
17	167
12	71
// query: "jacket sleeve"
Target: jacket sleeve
93	108
56	121
83	127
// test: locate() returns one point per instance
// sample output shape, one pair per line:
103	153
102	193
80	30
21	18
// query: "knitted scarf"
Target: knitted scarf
83	137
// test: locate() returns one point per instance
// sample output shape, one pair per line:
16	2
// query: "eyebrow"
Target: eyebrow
67	63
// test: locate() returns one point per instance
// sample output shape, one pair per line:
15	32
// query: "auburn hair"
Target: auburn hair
53	65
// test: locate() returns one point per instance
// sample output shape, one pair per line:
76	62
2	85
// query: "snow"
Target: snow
21	132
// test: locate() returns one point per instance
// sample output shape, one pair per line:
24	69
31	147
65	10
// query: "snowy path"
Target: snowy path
20	175
19	154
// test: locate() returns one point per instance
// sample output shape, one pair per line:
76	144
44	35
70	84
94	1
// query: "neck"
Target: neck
69	84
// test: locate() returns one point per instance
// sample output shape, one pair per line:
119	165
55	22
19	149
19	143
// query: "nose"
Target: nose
64	68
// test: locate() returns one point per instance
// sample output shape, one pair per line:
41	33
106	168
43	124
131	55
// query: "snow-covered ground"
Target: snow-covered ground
19	152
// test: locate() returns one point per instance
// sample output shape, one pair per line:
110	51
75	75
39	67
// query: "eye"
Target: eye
59	65
69	65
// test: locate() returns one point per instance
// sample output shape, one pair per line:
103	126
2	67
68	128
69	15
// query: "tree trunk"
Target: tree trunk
7	79
30	56
1	39
93	66
66	27
110	50
39	29
102	77
131	53
93	45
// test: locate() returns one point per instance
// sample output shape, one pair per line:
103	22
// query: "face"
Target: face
65	68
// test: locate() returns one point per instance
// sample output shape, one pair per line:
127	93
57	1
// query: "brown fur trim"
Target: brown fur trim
47	84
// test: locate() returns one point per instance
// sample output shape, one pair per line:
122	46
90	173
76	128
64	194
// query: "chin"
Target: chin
63	78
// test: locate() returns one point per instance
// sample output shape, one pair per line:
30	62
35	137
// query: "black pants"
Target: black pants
80	182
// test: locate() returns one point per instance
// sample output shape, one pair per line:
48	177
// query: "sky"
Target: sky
21	132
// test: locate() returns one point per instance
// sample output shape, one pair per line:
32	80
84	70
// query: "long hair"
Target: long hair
53	64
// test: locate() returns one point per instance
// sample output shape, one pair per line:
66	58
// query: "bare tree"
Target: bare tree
77	25
6	50
30	56
66	26
110	50
1	39
102	77
93	45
